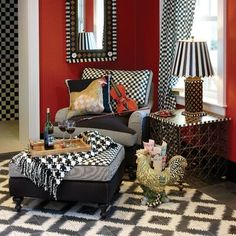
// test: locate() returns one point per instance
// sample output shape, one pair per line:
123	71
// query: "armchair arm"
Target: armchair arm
61	114
138	119
138	122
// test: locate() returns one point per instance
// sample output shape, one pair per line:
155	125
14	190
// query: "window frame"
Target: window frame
219	106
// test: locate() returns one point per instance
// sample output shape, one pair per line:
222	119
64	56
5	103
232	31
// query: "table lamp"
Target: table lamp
192	60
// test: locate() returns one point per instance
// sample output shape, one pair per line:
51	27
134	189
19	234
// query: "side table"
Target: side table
201	140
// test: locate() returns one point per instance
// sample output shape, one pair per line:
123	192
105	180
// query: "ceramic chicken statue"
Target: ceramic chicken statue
152	182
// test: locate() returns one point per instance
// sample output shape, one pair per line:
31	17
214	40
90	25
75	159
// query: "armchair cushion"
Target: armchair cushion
137	83
115	127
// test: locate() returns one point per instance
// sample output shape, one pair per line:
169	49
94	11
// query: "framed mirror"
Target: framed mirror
91	30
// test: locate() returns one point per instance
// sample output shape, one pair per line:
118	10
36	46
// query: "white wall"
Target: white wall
29	116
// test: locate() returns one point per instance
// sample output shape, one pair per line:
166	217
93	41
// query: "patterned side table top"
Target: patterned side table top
180	120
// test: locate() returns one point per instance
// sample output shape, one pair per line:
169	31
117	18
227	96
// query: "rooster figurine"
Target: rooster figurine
153	183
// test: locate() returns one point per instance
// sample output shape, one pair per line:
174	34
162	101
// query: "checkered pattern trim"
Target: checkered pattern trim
176	24
9	97
137	83
48	171
103	159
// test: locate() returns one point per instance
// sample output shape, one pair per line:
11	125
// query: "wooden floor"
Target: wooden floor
9	137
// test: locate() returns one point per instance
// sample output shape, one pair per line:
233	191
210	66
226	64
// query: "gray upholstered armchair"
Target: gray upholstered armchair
128	130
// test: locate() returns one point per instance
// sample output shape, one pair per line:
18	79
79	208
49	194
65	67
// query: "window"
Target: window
99	23
208	25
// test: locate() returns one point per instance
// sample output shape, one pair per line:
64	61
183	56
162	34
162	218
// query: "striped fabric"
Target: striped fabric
192	59
86	41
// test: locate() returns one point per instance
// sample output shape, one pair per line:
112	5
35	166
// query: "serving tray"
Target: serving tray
37	148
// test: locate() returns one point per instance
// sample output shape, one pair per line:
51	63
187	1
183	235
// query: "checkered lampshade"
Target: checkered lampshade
86	41
192	61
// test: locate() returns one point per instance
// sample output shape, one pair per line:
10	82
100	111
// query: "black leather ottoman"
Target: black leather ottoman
71	188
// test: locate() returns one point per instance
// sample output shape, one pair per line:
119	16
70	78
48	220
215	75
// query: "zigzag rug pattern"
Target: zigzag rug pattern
189	212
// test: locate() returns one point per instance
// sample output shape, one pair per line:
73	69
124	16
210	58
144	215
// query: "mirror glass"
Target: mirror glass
90	30
90	24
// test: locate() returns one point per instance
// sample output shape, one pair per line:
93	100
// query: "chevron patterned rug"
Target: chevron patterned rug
189	212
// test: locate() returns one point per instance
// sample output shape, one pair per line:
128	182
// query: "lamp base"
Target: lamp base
193	97
194	114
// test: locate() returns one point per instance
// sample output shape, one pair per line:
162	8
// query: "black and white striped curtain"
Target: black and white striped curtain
176	24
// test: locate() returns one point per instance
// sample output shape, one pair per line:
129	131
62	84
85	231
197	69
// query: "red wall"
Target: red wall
147	38
231	74
138	35
53	67
89	15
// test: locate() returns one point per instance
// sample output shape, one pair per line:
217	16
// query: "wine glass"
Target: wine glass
70	129
62	126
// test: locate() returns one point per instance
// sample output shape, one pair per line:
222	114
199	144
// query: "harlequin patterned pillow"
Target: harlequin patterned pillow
137	83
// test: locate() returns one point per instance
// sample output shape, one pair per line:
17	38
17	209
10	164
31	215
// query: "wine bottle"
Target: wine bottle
48	133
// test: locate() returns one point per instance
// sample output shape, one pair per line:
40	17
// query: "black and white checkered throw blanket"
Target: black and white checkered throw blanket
48	171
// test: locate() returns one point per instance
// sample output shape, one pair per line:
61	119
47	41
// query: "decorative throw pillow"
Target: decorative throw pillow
88	96
137	83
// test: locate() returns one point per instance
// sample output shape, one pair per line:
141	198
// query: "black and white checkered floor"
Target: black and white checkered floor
189	212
